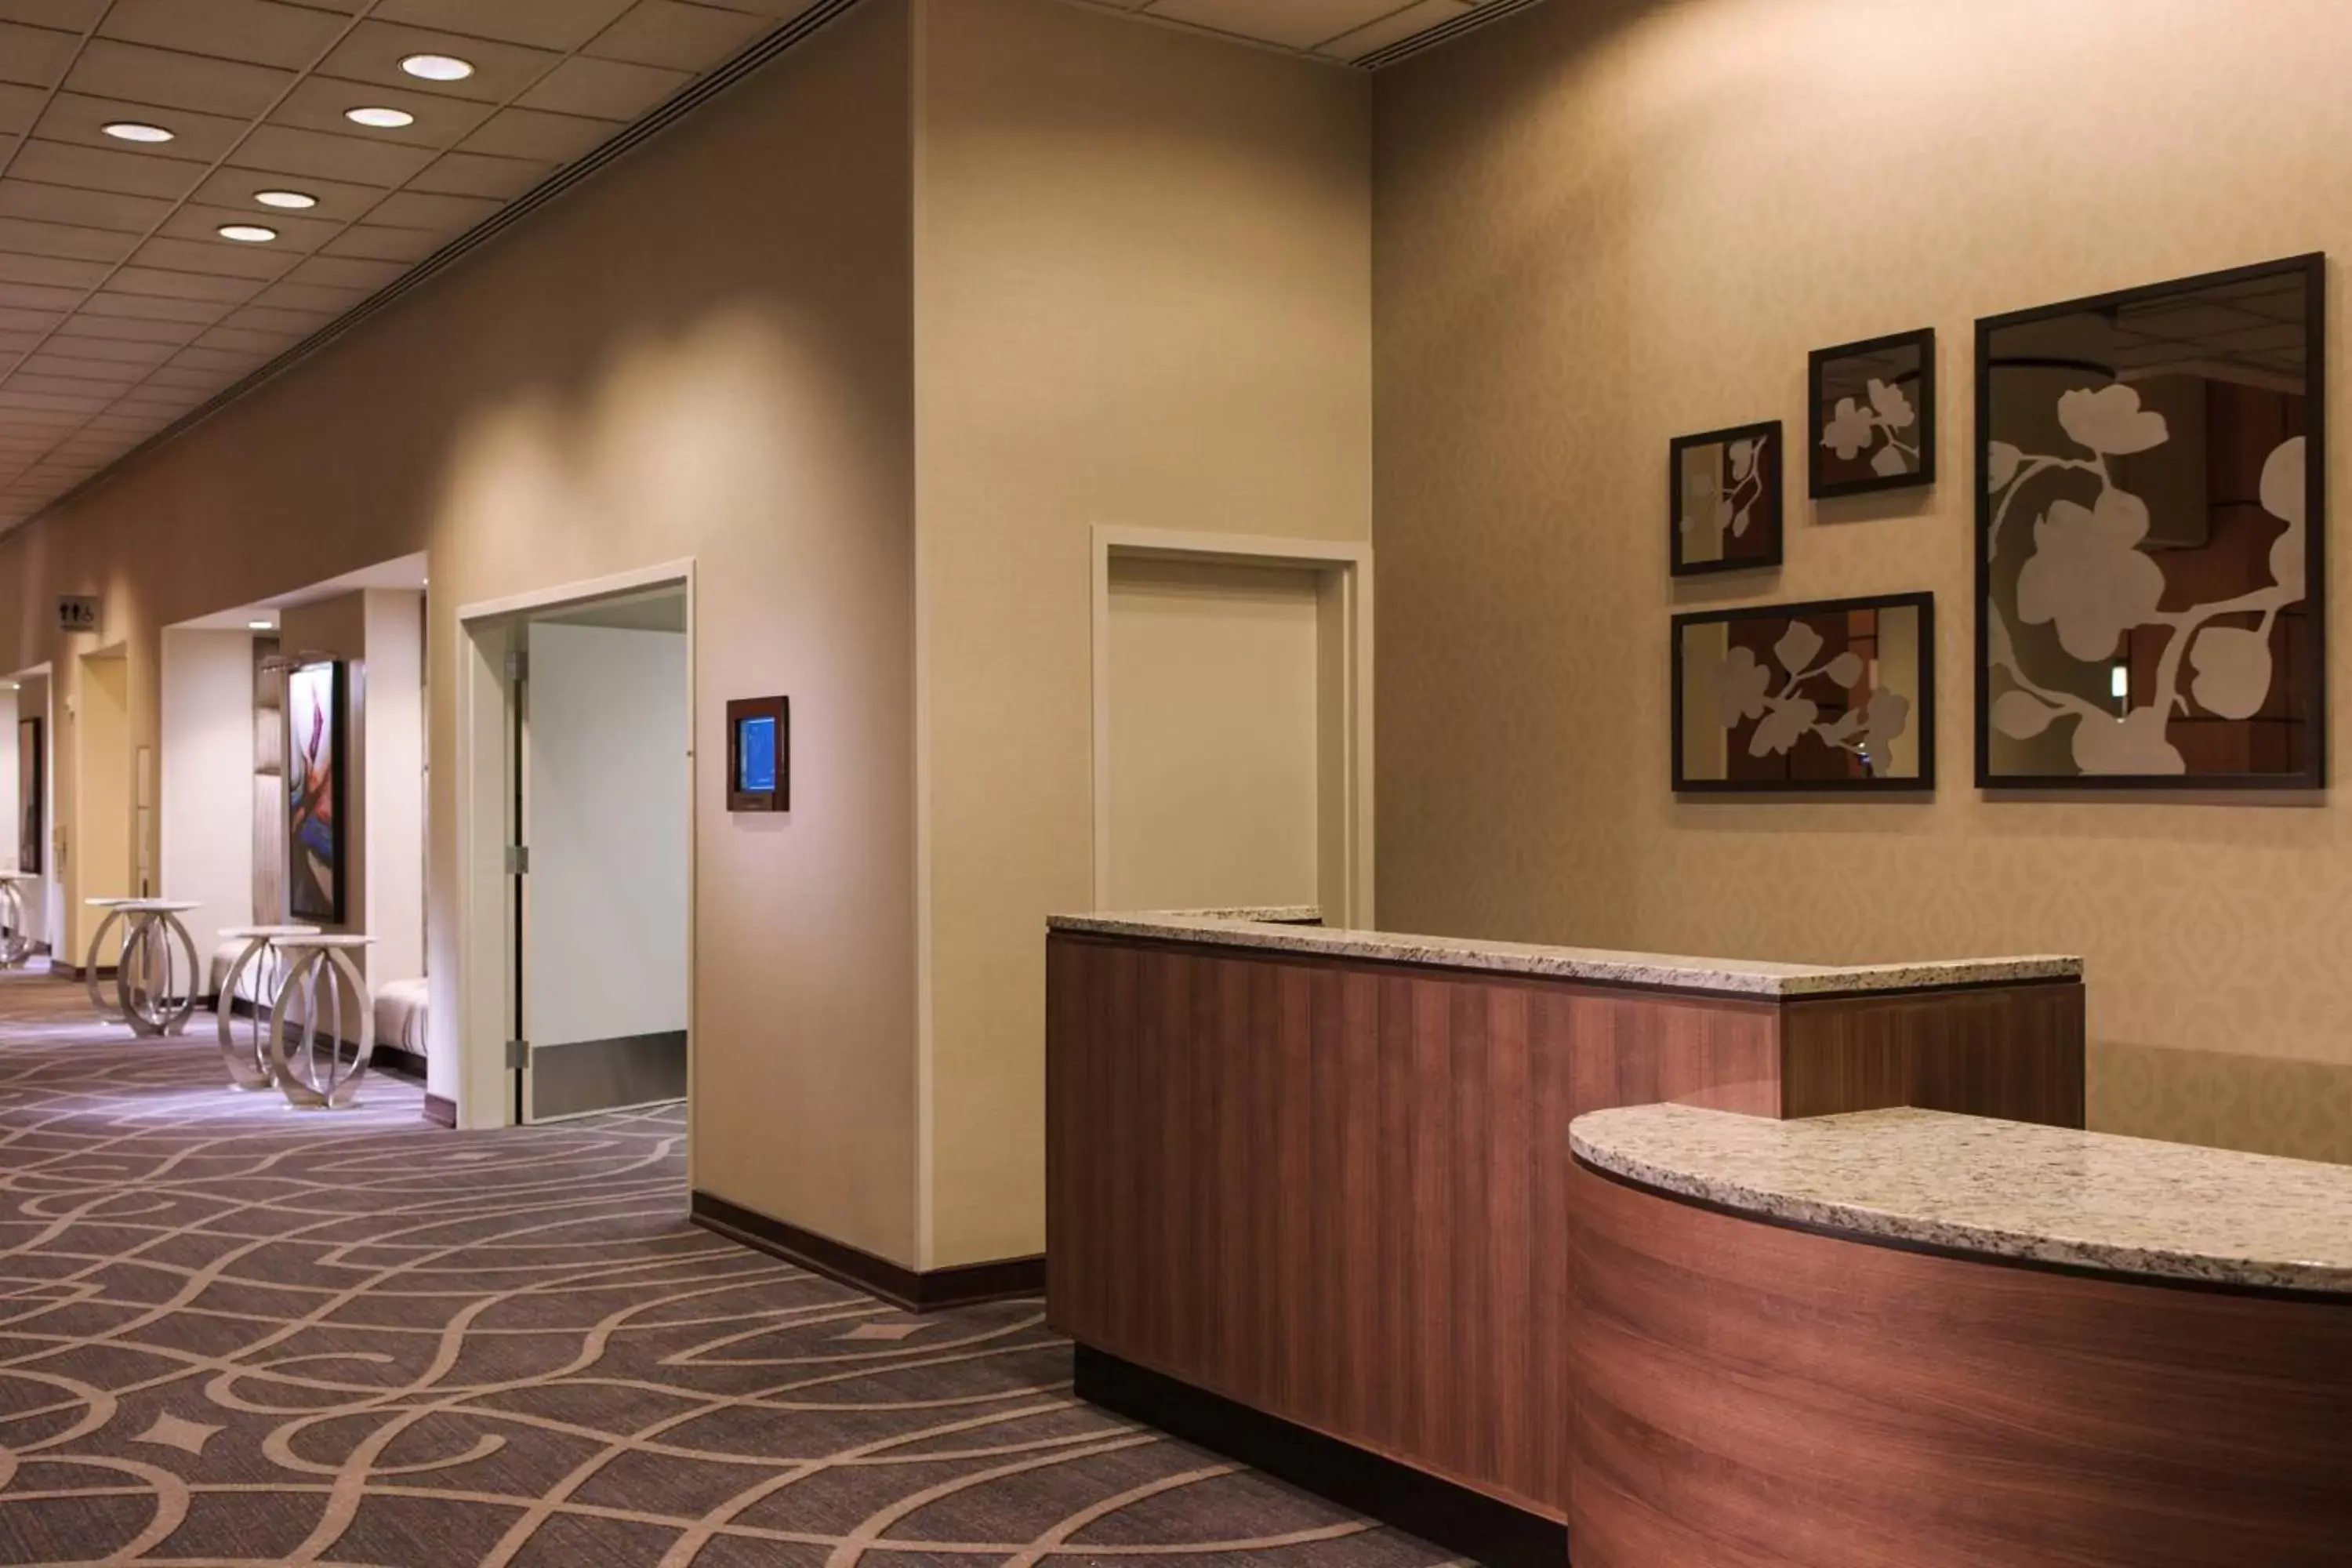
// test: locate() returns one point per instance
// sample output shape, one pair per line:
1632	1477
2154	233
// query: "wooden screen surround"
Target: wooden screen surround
1335	1191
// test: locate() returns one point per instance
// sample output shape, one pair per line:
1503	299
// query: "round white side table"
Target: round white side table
105	1004
149	975
324	976
248	1060
15	942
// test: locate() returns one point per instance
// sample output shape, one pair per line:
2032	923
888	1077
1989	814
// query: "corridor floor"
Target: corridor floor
233	1333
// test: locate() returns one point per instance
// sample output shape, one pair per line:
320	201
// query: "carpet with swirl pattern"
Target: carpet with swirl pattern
235	1333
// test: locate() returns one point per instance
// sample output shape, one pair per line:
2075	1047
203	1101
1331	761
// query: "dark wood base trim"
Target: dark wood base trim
439	1110
911	1290
75	972
1485	1529
1962	1254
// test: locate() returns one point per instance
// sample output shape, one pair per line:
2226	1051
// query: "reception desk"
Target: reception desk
1945	1341
1307	1189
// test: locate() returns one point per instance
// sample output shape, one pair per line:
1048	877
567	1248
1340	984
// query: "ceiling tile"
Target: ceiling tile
41	373
20	106
479	174
153	349
72	16
292	296
346	272
609	90
289	36
127	305
76	118
15	320
246	340
170	284
266	317
376	242
683	37
36	57
198	378
217	257
317	104
137	74
16	343
231	362
71	203
284	150
543	24
420	209
533	134
61	401
374	52
64	239
39	297
141	173
61	270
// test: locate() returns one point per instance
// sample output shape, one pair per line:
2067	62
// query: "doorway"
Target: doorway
575	835
1231	718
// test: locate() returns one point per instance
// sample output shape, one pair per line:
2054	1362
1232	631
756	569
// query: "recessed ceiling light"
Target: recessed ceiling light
247	233
261	625
136	131
292	200
437	68
380	117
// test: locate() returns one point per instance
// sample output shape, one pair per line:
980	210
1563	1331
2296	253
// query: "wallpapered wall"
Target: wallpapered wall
1604	224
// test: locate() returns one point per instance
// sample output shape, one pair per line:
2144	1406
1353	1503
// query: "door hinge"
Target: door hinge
518	1055
518	859
518	664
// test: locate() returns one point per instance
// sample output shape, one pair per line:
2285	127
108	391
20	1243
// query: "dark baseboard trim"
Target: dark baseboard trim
75	972
909	1290
439	1110
1481	1528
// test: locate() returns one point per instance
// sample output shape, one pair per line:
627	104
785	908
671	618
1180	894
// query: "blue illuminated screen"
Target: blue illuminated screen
755	756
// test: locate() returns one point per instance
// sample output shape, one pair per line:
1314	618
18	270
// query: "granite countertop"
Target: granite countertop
1278	930
2002	1188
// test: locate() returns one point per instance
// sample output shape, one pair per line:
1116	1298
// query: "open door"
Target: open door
604	800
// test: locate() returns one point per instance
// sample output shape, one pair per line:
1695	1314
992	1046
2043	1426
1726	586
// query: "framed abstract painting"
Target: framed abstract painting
314	791
31	789
2150	520
1830	696
1724	499
1873	416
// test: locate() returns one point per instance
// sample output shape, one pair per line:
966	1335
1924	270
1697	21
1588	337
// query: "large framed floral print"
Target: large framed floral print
1833	695
2150	496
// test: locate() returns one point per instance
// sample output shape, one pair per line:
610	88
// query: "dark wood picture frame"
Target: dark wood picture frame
338	738
1920	722
1770	476
32	791
2310	271
740	712
1819	485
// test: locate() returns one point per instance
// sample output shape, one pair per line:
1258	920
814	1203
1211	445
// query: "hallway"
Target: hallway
232	1335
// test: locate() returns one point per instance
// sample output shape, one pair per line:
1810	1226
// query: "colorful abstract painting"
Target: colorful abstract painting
314	790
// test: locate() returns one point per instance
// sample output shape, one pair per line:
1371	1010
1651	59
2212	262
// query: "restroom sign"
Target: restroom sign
77	612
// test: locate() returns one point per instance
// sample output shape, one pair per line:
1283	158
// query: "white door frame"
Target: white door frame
485	911
1343	570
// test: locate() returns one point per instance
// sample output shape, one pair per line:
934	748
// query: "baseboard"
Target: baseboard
1483	1529
439	1110
76	973
913	1291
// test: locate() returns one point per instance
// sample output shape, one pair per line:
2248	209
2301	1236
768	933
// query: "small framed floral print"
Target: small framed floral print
1724	512
1873	415
1835	695
2150	515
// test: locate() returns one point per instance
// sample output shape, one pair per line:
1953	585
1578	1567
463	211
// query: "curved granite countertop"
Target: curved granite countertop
1293	931
2005	1189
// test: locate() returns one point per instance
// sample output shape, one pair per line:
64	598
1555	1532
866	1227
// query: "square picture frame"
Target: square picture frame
1871	415
1725	499
1828	696
2150	530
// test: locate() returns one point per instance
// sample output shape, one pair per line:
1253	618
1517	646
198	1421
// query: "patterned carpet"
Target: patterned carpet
233	1333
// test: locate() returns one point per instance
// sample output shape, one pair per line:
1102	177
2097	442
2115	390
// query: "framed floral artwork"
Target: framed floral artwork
1835	695
2149	519
1724	512
1872	415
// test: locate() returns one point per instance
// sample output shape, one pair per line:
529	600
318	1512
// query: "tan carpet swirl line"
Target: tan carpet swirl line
235	1333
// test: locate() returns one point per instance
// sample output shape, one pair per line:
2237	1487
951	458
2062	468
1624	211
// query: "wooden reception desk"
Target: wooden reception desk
1307	1189
1908	1337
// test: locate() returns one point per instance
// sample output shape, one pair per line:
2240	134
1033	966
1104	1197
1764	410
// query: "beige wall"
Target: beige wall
1603	223
1142	295
704	353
